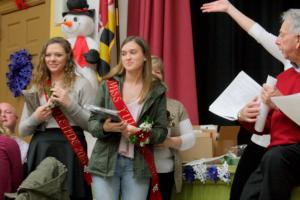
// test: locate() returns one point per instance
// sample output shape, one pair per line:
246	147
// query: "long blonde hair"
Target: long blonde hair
4	130
41	73
147	68
157	62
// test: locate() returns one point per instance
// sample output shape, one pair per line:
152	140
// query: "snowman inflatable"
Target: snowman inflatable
78	26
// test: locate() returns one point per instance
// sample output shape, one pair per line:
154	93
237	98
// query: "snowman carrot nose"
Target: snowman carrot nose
68	23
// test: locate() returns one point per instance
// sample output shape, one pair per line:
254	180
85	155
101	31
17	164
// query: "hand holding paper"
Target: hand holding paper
250	111
240	91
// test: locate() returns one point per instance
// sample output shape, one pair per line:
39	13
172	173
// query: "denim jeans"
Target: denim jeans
109	188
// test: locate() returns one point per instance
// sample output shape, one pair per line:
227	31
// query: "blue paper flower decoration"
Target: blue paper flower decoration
212	173
20	71
189	174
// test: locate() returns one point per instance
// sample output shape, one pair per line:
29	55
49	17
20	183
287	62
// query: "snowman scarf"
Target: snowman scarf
79	49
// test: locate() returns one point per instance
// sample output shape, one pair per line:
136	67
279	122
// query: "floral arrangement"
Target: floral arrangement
20	71
48	87
141	137
48	91
203	172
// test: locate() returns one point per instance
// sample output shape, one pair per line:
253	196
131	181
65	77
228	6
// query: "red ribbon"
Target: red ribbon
80	10
21	4
125	115
72	138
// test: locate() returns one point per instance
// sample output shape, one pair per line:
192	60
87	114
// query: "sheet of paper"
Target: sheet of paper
289	105
239	92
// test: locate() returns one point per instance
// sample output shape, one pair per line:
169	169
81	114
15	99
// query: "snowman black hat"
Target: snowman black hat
79	7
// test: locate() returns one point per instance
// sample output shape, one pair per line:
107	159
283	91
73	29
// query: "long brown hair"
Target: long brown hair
41	73
147	68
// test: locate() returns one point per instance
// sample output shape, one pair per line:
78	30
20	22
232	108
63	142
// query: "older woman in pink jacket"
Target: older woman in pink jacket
10	163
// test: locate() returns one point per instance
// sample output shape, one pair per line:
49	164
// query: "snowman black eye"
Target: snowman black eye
65	20
75	19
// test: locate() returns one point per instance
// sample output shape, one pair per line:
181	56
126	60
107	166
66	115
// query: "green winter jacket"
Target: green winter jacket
104	156
47	182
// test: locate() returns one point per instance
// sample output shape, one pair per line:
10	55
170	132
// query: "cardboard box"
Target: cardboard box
210	143
227	139
203	147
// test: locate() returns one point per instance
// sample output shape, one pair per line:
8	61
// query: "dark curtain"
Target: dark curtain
222	49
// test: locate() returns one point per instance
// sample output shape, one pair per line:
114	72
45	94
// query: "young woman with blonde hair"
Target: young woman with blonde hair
58	120
180	137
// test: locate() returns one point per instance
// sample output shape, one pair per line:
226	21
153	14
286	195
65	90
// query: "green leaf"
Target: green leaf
133	139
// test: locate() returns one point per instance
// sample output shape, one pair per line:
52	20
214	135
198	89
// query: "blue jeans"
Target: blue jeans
109	188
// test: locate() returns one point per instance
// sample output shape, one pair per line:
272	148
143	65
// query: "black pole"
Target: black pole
117	29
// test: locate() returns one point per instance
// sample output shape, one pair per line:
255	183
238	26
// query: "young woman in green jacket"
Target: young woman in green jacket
118	163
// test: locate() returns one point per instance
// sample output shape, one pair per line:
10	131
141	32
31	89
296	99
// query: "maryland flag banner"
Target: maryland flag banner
108	28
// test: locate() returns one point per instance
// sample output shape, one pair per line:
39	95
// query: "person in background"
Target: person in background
257	146
118	163
10	163
9	119
278	171
57	123
180	137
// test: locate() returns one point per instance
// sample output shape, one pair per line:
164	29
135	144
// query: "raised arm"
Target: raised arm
225	6
266	39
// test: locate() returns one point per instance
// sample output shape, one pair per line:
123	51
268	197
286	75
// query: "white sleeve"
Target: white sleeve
267	40
187	134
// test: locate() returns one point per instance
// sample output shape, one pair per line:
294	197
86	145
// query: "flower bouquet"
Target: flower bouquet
48	92
142	137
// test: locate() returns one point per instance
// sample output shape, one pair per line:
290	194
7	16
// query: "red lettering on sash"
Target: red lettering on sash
72	138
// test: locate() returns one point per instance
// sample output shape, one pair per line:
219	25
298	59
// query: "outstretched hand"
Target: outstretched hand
216	6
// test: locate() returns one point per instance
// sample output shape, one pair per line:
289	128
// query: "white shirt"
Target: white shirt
267	40
163	157
23	148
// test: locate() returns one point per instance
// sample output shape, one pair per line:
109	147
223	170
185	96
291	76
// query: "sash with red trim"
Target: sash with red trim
72	138
125	115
